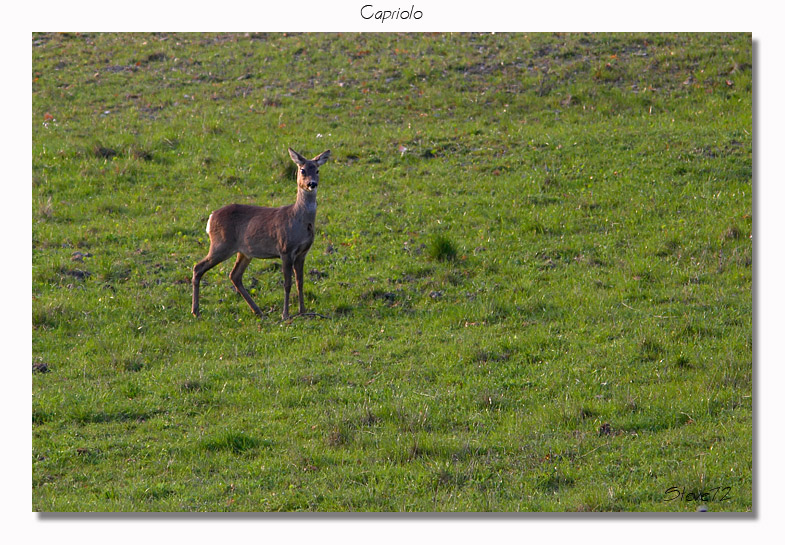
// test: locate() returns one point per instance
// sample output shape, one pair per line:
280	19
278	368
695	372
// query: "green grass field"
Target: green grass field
533	257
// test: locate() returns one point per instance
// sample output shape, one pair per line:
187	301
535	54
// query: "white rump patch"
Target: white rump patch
208	224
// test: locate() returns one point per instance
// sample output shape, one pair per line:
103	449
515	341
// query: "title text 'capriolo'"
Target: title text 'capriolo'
369	12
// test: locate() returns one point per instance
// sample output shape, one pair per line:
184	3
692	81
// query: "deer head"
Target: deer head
308	173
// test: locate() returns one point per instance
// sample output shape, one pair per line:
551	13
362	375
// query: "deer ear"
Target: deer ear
296	157
322	158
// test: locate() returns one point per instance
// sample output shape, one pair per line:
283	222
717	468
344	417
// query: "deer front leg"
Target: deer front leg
298	276
287	284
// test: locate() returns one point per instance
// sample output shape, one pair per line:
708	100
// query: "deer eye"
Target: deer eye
302	171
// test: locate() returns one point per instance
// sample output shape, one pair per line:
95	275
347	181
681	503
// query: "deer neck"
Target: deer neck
305	203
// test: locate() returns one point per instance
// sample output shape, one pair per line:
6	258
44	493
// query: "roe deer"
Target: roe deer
258	231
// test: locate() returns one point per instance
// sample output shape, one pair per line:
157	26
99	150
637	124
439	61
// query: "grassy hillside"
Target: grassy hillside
533	254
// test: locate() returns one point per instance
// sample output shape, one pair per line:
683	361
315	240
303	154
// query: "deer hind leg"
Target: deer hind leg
213	258
298	276
236	277
199	269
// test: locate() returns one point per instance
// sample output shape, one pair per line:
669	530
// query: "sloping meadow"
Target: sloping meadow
532	266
